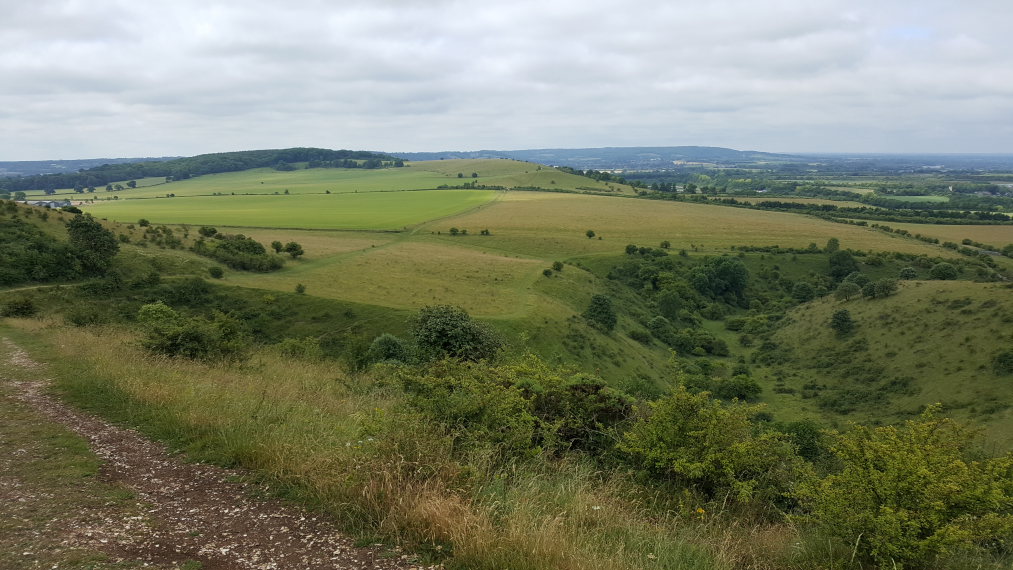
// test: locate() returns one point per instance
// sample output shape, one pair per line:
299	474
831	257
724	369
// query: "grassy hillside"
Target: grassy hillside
934	341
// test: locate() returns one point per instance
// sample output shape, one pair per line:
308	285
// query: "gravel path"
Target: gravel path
194	511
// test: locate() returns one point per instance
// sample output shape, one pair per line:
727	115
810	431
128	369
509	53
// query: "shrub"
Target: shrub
600	313
388	348
712	447
446	331
557	265
19	307
476	411
167	332
908	494
1003	362
740	387
305	348
944	271
842	322
908	273
216	272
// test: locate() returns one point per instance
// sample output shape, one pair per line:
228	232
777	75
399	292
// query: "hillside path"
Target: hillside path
194	512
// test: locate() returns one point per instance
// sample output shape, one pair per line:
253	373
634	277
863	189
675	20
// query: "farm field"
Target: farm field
998	236
373	210
414	176
918	199
547	225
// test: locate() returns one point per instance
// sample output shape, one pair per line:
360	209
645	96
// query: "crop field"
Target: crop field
546	225
919	199
372	210
998	236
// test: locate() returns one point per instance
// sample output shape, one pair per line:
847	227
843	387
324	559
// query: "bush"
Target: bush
738	387
1003	363
842	322
388	348
713	447
600	313
19	307
167	332
476	411
908	273
305	348
446	331
944	271
216	272
908	494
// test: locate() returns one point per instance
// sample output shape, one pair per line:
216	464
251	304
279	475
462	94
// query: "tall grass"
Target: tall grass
337	442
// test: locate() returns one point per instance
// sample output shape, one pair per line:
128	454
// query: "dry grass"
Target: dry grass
336	441
412	274
998	236
546	224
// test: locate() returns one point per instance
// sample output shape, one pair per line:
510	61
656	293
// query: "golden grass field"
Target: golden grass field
998	236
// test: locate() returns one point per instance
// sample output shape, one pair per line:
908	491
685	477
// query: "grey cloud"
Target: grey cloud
399	74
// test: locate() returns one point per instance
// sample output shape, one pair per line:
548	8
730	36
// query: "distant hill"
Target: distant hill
609	158
670	157
34	167
183	168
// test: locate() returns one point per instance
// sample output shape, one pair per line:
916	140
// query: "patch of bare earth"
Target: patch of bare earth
192	512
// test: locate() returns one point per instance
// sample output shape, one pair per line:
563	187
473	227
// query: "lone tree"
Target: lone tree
842	322
589	233
94	245
846	290
277	246
600	313
944	271
293	249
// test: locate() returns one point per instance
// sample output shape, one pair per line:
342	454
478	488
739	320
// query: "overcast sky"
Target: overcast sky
101	78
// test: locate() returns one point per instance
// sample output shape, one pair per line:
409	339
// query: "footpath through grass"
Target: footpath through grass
51	497
312	430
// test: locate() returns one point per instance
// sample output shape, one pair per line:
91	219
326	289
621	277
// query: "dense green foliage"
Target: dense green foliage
240	252
907	494
441	331
31	255
169	333
712	447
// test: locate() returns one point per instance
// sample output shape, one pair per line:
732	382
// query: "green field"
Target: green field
414	176
372	210
918	199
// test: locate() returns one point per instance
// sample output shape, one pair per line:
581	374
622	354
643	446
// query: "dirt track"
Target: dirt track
195	512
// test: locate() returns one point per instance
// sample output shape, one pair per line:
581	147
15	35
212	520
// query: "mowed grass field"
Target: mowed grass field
370	211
